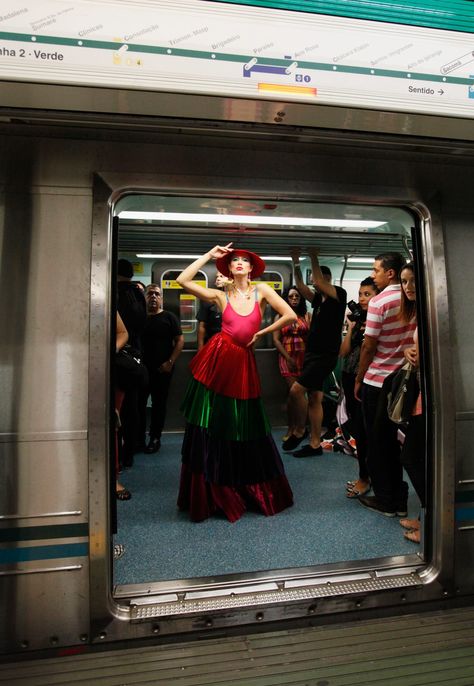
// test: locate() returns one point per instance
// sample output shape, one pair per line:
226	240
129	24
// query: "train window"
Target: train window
183	305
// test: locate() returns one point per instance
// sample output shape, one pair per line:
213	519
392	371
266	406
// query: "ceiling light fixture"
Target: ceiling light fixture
163	256
166	256
248	219
361	260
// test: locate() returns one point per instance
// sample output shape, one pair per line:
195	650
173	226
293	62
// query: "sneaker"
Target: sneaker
308	451
119	550
343	446
370	502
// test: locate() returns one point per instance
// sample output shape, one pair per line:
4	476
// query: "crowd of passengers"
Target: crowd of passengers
229	458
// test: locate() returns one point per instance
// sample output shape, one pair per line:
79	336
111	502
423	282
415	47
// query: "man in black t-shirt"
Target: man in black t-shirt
162	341
321	355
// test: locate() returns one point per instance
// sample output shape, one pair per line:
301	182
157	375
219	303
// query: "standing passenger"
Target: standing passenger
386	337
350	351
322	352
229	457
163	342
290	341
413	451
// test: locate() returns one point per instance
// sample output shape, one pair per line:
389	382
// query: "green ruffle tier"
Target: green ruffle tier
228	418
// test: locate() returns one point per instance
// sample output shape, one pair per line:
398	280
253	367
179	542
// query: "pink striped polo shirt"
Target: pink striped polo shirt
392	336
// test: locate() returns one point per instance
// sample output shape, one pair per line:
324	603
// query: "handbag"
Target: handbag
130	372
402	396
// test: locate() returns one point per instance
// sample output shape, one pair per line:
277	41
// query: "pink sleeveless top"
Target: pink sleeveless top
241	327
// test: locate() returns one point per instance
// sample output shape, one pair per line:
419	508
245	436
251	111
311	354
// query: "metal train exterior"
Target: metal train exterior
68	156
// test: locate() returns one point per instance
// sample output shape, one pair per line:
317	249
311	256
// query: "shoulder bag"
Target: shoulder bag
403	394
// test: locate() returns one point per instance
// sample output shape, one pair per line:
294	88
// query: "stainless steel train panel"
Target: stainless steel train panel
45	606
43	480
45	293
44	345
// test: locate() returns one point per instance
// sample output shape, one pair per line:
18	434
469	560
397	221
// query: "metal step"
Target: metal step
435	648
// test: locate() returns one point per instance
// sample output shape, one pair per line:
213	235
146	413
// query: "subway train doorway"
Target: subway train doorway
324	532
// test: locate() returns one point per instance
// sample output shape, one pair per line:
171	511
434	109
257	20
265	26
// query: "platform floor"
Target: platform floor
435	648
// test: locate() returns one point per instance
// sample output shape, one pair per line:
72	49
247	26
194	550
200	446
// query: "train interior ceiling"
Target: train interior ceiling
324	532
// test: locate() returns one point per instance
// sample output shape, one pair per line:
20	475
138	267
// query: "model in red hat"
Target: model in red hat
229	457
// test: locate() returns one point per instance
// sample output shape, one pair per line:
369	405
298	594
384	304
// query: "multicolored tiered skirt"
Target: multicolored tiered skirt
229	459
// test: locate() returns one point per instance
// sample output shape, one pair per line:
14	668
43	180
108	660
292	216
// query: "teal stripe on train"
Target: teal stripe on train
465	506
464	514
452	15
38	533
44	552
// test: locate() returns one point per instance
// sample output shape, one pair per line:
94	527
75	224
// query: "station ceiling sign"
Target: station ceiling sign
239	50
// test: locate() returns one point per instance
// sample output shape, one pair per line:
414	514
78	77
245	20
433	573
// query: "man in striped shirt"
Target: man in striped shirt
382	353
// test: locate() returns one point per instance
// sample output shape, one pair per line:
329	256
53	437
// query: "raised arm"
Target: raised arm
185	279
306	292
319	281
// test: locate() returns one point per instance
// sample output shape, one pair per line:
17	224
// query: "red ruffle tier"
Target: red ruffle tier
227	368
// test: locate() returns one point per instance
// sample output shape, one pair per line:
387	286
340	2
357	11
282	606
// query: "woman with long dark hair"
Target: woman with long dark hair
413	451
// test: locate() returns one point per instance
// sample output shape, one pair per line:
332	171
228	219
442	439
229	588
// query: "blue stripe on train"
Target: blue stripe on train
43	552
464	513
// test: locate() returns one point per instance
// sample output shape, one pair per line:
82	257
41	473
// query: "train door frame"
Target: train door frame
341	592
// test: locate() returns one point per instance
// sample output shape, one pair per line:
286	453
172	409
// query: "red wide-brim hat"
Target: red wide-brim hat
258	265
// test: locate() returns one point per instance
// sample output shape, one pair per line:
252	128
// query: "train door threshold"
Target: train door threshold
267	595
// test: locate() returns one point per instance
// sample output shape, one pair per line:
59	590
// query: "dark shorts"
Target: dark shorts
316	367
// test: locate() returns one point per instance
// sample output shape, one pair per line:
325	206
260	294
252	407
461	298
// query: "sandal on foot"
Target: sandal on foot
414	536
410	524
353	492
123	494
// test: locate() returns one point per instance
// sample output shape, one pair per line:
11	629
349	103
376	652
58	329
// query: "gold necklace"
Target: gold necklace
244	295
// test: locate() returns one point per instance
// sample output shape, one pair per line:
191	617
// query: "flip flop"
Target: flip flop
355	493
